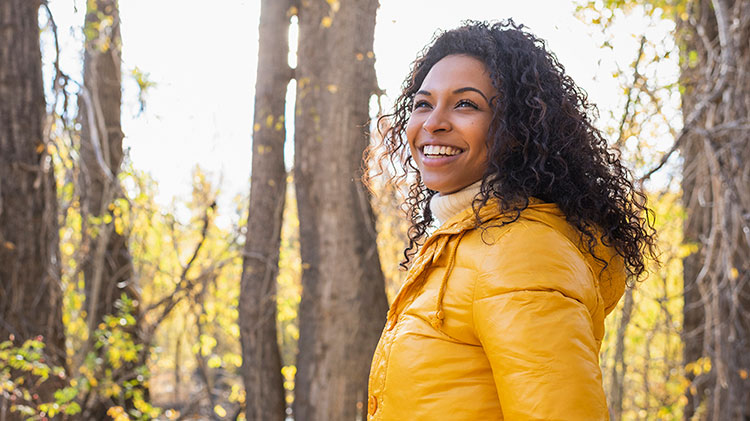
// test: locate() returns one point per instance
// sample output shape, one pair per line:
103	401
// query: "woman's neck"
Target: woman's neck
444	207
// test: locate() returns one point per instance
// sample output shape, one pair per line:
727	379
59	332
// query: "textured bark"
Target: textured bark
107	268
716	82
30	293
261	361
343	305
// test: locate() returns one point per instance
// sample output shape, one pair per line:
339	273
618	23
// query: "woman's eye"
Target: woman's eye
421	104
466	103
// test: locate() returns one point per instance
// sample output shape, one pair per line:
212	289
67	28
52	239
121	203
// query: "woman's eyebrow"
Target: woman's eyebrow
469	88
457	91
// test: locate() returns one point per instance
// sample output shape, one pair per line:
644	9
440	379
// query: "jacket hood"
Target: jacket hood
608	267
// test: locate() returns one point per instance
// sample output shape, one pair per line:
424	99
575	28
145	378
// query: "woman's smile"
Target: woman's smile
447	130
437	151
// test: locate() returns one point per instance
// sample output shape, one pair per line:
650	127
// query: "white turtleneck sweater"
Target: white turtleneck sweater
444	207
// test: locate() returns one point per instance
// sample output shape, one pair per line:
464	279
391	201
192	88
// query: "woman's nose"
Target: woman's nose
437	121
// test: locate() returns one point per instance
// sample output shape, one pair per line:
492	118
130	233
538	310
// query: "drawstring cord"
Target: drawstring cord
418	277
436	319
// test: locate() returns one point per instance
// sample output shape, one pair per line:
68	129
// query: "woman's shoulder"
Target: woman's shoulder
531	255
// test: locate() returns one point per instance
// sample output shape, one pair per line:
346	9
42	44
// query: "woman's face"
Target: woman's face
448	127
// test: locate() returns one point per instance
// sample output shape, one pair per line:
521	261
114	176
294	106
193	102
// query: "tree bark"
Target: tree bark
30	292
107	268
619	364
715	79
261	361
343	304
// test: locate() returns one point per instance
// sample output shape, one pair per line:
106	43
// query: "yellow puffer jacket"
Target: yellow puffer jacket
498	323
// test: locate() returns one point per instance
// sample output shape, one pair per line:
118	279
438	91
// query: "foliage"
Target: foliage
187	273
653	380
391	226
22	370
649	373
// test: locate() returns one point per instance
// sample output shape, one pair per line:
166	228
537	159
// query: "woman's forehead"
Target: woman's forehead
455	72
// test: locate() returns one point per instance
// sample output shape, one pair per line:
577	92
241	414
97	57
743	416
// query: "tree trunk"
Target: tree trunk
716	102
108	271
30	292
107	268
343	306
619	364
261	361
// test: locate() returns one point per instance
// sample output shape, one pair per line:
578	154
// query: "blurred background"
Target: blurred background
184	233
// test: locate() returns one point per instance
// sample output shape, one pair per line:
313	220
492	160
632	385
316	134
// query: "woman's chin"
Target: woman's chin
446	188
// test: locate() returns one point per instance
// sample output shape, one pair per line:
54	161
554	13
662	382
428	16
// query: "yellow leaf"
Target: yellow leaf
119	226
67	249
214	362
220	411
332	88
118	413
233	359
335	5
743	374
326	22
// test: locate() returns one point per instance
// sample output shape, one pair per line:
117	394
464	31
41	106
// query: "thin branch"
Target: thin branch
629	99
170	301
95	141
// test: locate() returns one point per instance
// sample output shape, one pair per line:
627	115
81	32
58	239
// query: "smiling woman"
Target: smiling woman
448	127
538	228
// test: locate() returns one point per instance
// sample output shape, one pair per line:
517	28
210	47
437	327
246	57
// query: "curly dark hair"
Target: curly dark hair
541	144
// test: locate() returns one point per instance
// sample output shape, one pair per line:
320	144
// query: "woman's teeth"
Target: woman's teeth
435	150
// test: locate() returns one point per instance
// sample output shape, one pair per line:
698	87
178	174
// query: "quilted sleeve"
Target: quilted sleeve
532	314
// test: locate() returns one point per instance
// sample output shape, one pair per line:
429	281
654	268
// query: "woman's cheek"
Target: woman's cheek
411	134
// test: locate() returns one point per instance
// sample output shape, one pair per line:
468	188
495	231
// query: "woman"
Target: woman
501	315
